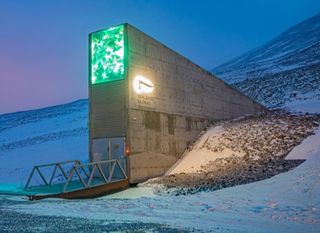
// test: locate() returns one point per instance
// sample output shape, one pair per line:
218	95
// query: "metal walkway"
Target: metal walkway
73	179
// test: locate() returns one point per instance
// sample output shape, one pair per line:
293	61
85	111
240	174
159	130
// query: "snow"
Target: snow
41	136
132	193
10	189
309	105
309	147
17	169
288	202
192	160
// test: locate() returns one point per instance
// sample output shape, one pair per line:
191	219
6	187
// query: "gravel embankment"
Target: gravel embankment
263	141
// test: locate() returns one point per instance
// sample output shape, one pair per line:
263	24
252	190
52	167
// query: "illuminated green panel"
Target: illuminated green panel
107	55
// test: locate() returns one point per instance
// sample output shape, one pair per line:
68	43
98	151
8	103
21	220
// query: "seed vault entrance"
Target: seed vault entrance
152	99
110	149
147	103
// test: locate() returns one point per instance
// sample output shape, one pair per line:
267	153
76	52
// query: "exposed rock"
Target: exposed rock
265	141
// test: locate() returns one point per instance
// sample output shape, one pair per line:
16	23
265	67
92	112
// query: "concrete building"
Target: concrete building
148	103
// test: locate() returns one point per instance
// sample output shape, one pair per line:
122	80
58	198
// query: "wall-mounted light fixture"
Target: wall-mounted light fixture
142	85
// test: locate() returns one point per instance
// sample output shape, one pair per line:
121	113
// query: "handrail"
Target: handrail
62	162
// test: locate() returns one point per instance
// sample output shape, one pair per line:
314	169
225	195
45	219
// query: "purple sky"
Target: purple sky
43	44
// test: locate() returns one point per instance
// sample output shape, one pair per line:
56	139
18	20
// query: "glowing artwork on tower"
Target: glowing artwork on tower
107	55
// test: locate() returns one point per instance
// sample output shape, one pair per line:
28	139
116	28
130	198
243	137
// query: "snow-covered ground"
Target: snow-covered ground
309	105
42	136
194	159
288	202
308	148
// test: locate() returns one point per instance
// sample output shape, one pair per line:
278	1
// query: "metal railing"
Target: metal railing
58	165
86	173
94	168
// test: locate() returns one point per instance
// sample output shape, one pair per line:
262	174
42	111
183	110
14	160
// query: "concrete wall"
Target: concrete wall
185	99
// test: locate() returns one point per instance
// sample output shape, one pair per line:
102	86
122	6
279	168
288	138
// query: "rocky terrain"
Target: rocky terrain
257	147
283	70
279	89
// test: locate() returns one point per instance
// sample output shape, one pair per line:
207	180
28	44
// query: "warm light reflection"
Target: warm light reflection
142	85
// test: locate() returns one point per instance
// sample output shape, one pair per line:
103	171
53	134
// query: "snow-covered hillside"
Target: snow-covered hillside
281	72
40	136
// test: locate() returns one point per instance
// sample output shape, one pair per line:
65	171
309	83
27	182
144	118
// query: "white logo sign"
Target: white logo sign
142	85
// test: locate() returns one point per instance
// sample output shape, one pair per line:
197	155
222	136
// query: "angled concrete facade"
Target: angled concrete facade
158	126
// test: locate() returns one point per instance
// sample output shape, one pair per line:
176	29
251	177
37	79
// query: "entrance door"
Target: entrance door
118	151
107	149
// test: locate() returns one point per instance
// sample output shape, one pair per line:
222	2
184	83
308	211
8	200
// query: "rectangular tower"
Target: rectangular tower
107	93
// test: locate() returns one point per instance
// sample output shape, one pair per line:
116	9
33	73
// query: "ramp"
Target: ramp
73	179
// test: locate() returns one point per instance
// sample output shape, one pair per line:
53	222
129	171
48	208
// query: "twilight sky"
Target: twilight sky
43	44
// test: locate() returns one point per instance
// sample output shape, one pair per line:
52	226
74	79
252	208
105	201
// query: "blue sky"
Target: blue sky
43	44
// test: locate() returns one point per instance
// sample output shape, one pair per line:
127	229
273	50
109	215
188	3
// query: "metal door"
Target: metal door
110	148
